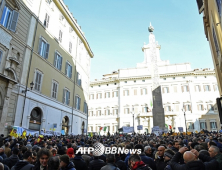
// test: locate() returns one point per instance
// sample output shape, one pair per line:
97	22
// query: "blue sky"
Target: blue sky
117	29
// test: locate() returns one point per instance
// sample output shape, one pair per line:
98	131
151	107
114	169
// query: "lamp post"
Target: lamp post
31	87
133	120
185	120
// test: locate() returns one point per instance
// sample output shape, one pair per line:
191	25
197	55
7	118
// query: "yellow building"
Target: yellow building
52	91
211	11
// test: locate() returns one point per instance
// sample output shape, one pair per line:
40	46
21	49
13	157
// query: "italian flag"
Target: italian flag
101	128
104	129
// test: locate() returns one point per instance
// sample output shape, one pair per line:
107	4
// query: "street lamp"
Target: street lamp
31	87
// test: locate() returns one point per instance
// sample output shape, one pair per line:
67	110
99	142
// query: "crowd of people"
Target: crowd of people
167	152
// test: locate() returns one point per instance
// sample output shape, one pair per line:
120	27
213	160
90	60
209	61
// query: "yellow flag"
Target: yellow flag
196	131
184	133
188	133
164	134
53	129
50	129
91	134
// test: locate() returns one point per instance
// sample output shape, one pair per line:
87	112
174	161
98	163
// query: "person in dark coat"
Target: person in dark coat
65	164
2	153
147	160
168	155
12	160
120	163
175	146
26	163
190	161
110	159
135	163
79	162
160	163
96	163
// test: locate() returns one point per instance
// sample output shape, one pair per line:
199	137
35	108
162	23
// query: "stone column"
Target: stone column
174	121
151	124
28	120
5	108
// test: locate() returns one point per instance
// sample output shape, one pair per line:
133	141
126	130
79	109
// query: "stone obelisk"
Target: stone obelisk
152	64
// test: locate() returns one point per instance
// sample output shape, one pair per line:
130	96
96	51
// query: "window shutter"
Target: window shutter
40	45
185	108
169	108
209	87
216	124
199	88
55	59
60	63
117	94
123	92
14	20
182	88
193	125
195	88
0	56
66	68
205	125
47	21
214	87
71	72
188	89
177	107
63	98
198	107
204	88
97	96
76	102
68	97
128	92
112	94
163	89
175	89
202	108
79	103
40	78
47	51
168	89
105	94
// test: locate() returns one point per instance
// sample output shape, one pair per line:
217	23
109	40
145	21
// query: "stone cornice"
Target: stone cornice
116	80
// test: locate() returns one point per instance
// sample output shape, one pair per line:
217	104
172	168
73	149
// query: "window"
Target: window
164	78
38	81
145	109
115	112
78	102
115	94
197	88
167	108
216	43
78	79
143	80
125	81
134	81
91	113
9	18
126	110
143	91
54	89
68	70
99	112
70	47
174	78
46	21
215	86
185	88
85	110
200	107
66	96
126	93
213	124
114	83
43	48
187	108
219	6
207	88
91	96
99	95
166	90
60	36
107	95
203	125
190	126
1	53
210	107
58	61
184	77
107	112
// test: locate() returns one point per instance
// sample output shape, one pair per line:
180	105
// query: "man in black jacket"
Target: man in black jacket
79	162
110	159
96	164
26	163
190	160
160	164
175	146
120	163
135	163
13	159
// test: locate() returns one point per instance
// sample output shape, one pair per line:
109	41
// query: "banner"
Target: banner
28	132
140	127
156	130
180	129
63	132
128	129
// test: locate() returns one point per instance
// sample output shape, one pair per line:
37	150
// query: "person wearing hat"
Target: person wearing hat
70	152
168	155
65	164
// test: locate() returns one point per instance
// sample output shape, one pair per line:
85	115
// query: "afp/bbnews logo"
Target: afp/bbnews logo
98	149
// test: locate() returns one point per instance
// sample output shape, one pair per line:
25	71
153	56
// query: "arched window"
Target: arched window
35	119
65	124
